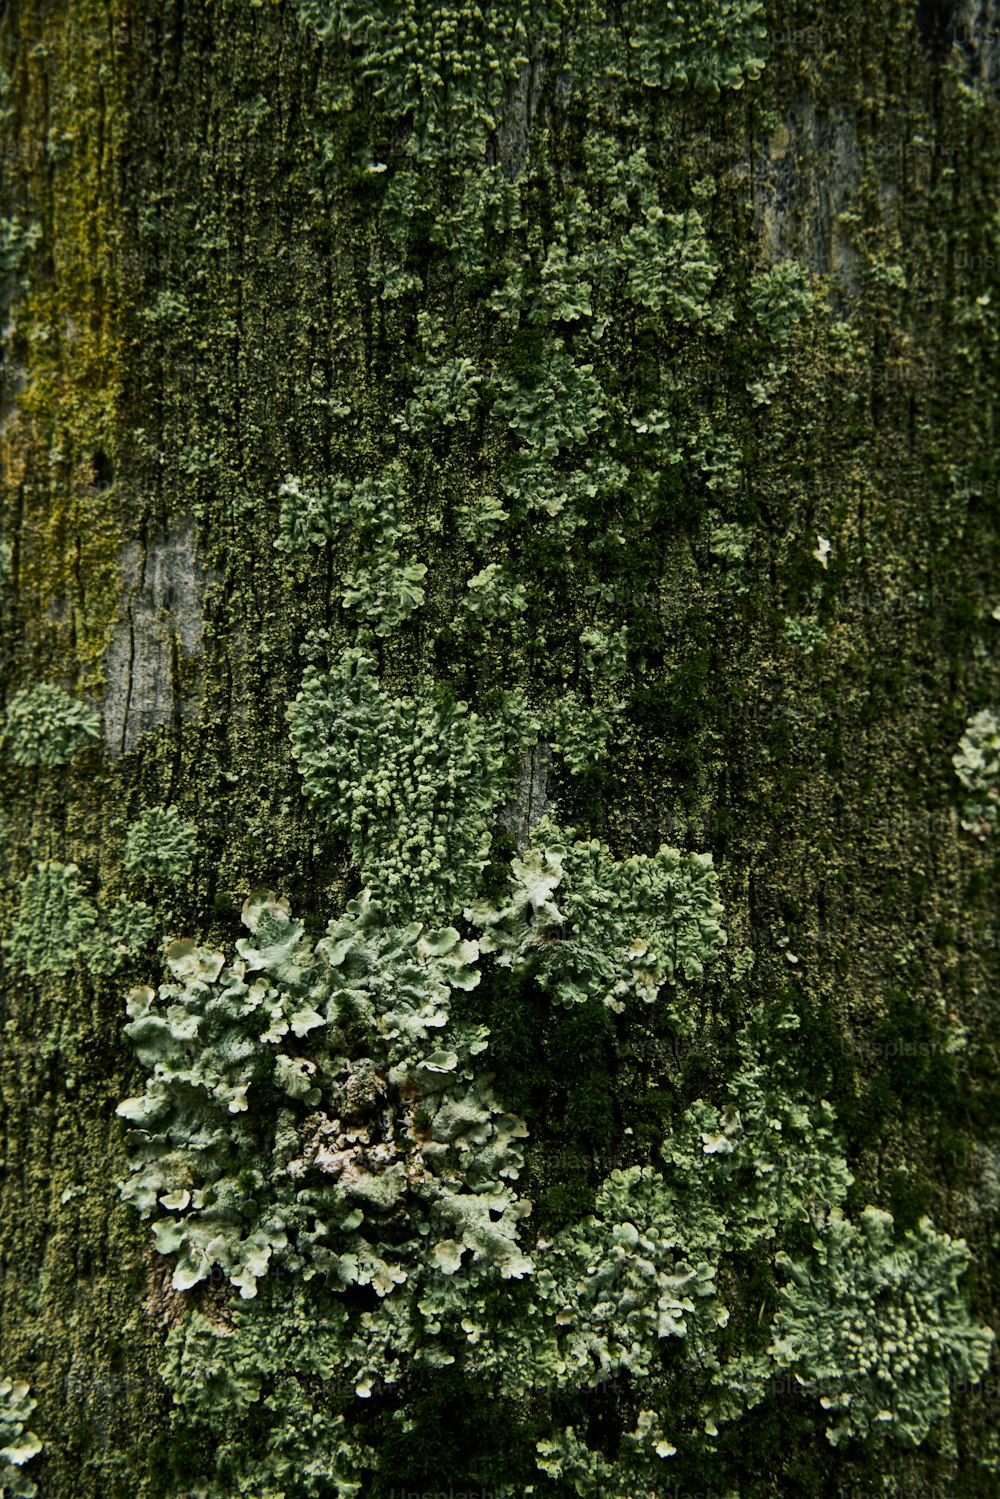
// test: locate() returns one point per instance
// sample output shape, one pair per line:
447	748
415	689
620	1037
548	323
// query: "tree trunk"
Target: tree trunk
626	375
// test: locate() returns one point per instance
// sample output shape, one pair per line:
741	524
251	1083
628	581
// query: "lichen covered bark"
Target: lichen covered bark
579	369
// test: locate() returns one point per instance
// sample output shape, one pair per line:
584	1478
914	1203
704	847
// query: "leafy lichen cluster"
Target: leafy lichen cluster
875	1325
19	1444
385	584
389	1159
43	725
621	931
412	783
322	1110
977	765
58	927
160	847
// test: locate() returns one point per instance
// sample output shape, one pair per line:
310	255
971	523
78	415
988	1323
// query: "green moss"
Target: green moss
69	338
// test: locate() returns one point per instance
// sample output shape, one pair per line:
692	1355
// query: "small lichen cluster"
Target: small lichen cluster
385	584
16	240
709	47
780	298
43	725
160	847
621	931
412	783
649	1265
877	1328
17	1444
977	765
580	732
57	927
443	69
271	1354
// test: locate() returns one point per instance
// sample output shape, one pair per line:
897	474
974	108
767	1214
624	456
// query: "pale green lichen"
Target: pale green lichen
270	1358
18	1445
874	1326
706	47
310	516
408	56
57	927
385	584
780	298
413	783
605	652
446	395
43	725
804	631
384	1116
127	929
877	1328
54	920
670	265
561	407
977	765
16	239
160	846
580	732
590	927
492	597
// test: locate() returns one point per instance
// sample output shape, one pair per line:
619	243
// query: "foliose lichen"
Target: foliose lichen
19	1444
54	920
160	846
388	1165
621	931
385	1122
58	927
385	583
412	782
977	765
43	725
877	1328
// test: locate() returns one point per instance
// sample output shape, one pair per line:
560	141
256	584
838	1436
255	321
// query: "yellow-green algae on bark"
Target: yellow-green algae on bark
64	342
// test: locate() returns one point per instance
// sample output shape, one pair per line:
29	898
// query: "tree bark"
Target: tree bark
205	291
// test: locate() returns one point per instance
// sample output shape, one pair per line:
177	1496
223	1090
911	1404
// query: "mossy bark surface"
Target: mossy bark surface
208	308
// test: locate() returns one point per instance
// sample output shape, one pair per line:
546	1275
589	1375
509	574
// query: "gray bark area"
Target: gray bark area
160	624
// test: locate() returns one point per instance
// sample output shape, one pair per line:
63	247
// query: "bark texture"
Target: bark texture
205	310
